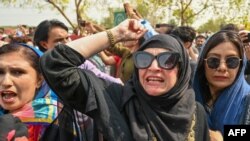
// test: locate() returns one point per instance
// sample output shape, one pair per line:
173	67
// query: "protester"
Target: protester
187	35
155	104
199	41
219	81
164	28
125	52
51	32
25	94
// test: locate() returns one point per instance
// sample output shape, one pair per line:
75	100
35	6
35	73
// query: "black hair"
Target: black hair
200	36
43	29
230	26
185	33
169	27
212	42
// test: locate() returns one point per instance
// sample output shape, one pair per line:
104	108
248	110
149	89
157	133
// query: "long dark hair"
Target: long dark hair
213	41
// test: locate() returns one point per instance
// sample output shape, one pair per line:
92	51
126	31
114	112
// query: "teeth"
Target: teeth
6	92
154	79
7	96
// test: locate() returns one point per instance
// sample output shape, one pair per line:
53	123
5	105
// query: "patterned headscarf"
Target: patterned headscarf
41	112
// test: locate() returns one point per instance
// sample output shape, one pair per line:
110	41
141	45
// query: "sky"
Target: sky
10	16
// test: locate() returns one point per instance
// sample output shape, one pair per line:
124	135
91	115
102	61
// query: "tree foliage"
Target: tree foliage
181	12
212	25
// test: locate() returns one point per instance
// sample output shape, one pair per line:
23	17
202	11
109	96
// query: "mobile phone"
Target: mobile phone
248	38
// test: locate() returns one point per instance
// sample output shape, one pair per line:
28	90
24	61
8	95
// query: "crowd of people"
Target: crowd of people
169	83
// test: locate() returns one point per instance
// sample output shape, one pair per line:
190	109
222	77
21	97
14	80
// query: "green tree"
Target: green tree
212	25
234	11
80	7
186	12
183	12
153	10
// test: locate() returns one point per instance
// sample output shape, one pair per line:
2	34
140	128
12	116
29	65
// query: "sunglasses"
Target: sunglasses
231	62
166	60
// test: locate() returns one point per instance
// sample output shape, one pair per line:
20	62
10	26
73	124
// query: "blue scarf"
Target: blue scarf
230	105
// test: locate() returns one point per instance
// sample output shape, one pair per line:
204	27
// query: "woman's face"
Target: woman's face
155	80
18	81
222	76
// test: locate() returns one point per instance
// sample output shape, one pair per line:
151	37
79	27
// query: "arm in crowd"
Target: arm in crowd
64	78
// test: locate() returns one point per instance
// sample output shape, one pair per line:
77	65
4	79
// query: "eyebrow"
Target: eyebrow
218	55
60	39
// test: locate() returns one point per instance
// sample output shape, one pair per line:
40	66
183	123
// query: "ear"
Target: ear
44	44
39	81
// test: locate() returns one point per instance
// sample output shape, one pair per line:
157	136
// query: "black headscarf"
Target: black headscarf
168	116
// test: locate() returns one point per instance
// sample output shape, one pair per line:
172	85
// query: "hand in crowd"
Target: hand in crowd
244	37
243	34
90	28
132	13
12	128
247	51
128	30
11	137
215	135
192	54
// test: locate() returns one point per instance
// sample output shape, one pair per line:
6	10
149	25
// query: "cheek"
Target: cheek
208	72
171	77
28	90
141	75
233	74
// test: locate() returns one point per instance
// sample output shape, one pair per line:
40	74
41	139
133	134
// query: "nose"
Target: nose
5	81
154	66
222	66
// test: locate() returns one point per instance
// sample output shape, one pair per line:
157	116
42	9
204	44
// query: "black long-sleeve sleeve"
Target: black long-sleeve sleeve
83	91
60	69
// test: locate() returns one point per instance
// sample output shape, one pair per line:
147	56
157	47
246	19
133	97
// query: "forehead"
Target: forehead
14	58
225	48
200	39
156	51
56	32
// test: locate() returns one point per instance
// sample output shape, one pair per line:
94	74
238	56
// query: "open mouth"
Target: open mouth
154	79
8	96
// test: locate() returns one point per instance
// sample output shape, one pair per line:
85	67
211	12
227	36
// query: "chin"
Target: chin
154	93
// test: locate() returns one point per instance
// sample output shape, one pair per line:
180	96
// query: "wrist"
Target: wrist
116	34
111	38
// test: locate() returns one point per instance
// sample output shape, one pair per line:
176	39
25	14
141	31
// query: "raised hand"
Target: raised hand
128	30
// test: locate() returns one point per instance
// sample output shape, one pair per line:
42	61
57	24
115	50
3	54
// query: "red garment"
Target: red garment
117	64
74	37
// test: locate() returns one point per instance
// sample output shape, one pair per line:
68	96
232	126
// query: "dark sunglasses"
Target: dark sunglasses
231	62
166	60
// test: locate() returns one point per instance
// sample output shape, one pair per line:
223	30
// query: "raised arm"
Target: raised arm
73	85
127	30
